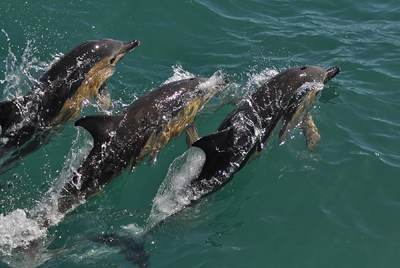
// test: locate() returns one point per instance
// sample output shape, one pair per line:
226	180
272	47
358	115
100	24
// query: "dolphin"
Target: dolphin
58	96
286	97
144	128
212	160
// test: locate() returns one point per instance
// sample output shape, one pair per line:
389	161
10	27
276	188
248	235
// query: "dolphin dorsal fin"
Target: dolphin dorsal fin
218	152
99	126
215	145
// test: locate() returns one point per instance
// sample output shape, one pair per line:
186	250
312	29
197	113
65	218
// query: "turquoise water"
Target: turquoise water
338	206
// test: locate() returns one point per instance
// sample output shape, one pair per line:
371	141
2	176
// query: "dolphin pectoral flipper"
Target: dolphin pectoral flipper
104	98
192	134
310	132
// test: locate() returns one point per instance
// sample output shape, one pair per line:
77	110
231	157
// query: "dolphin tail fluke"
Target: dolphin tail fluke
99	126
131	247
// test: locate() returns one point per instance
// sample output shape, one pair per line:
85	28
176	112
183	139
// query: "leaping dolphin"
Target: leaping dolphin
57	98
144	127
286	97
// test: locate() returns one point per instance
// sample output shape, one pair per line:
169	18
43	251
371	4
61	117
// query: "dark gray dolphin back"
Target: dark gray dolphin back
82	58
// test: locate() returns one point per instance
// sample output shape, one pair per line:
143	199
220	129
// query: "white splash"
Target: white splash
173	194
21	75
23	226
179	74
17	230
257	79
134	229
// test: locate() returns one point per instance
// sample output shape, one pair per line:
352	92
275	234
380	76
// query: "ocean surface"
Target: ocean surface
338	206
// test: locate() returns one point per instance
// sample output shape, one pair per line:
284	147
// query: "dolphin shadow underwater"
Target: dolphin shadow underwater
212	160
29	121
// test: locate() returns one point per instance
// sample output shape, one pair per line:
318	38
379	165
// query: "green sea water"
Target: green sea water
338	206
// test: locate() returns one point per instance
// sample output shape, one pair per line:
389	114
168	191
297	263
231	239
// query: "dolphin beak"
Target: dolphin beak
331	73
128	47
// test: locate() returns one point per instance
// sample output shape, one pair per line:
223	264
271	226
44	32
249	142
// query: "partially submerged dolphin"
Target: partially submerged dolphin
144	127
57	98
213	159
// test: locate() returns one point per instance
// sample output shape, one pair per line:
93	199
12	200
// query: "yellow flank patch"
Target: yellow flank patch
173	129
88	90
